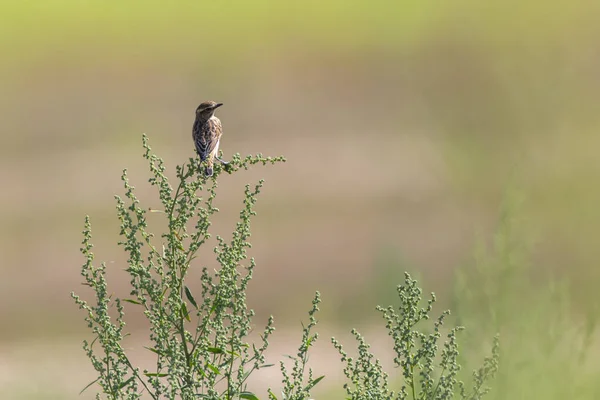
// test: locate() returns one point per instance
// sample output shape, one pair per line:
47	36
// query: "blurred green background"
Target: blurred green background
408	126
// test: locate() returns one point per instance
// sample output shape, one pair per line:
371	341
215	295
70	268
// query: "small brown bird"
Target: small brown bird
207	133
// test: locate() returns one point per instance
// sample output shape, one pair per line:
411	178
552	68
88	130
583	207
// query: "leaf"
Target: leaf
159	375
184	312
214	306
88	385
127	382
213	369
233	353
248	396
265	366
162	296
314	383
215	350
189	296
246	375
153	350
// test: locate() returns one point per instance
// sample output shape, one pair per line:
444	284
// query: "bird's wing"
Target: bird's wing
206	142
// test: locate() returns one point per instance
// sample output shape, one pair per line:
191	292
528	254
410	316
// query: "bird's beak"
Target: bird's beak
218	105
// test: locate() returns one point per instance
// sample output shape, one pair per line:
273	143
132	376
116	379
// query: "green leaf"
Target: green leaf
246	375
184	312
215	350
189	296
153	350
214	306
133	301
314	383
233	353
213	369
127	382
265	366
89	384
248	395
159	375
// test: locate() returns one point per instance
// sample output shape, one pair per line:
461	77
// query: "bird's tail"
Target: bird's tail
209	171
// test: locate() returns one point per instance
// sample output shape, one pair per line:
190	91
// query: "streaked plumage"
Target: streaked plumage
207	133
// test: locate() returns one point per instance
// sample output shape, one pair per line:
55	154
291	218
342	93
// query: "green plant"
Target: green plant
294	387
428	373
548	339
199	341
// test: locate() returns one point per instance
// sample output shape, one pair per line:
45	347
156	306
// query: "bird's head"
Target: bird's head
207	109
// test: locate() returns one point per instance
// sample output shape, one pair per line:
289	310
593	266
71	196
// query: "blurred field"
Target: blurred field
404	124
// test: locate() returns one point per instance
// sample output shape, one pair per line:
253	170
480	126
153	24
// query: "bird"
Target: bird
207	132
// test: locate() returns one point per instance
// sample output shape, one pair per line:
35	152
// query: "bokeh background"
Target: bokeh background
456	140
